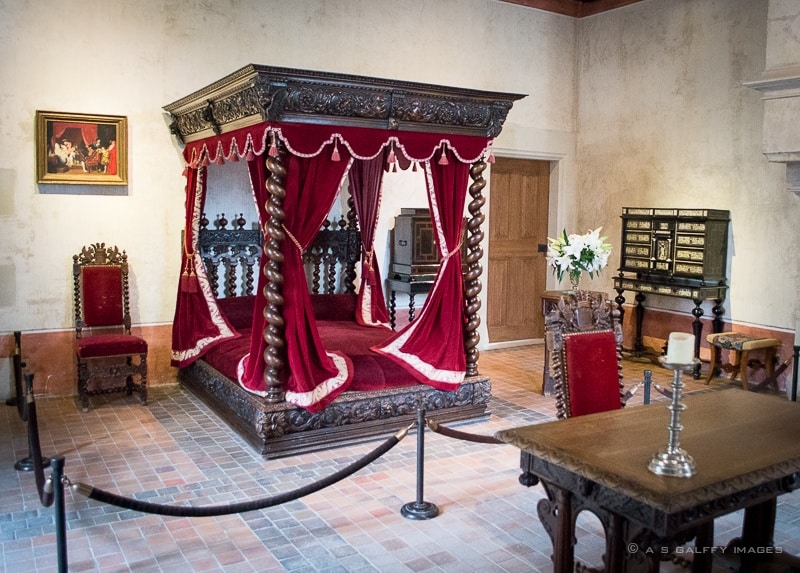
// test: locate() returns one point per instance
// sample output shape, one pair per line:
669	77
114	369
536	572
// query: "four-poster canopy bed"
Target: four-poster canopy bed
307	369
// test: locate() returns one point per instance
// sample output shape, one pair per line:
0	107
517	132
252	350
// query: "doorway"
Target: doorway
518	216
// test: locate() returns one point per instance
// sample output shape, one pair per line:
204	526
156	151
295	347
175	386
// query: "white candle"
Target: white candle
680	348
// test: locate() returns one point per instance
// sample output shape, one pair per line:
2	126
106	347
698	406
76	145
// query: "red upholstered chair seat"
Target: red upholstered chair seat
591	372
110	345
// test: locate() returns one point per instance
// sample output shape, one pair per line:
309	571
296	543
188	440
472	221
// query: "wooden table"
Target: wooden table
747	450
410	286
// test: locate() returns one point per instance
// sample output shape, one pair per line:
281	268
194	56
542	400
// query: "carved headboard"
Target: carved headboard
231	257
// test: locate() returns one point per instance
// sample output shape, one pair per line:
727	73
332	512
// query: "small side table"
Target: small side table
405	284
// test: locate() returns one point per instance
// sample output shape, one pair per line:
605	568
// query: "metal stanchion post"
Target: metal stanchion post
420	509
26	464
61	513
648	382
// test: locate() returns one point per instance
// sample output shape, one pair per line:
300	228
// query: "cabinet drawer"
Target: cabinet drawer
688	269
689	255
632	237
637	250
691	227
691	241
638	224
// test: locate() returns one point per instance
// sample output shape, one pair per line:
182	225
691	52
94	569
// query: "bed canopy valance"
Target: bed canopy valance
302	134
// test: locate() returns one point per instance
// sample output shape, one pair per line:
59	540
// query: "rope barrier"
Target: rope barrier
660	389
450	433
217	510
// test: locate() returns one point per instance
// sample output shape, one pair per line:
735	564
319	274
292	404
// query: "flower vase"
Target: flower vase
575	280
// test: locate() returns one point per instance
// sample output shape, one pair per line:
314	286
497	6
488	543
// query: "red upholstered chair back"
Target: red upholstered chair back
591	372
583	340
100	277
102	295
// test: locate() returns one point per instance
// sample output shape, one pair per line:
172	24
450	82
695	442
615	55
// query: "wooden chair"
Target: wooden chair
585	341
104	346
584	348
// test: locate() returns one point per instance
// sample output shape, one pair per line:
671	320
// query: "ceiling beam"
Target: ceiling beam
574	8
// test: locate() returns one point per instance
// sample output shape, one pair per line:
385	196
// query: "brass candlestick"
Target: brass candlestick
673	461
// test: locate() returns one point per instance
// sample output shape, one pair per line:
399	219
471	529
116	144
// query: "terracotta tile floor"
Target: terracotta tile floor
175	451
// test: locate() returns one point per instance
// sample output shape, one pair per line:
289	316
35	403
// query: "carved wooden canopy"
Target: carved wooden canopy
256	94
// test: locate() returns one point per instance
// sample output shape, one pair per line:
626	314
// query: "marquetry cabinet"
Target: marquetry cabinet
674	252
415	258
668	244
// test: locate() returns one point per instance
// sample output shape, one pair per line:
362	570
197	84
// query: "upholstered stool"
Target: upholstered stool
740	345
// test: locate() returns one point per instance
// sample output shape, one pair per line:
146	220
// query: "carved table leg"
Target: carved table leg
759	524
758	530
411	307
718	310
615	544
556	516
697	329
703	561
638	347
620	300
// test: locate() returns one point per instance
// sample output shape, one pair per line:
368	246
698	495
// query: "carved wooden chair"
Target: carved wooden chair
583	338
105	348
585	342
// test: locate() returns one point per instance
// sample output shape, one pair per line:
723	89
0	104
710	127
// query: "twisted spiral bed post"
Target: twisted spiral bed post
273	290
472	283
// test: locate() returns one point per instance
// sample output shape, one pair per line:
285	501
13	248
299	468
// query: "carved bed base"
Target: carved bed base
279	430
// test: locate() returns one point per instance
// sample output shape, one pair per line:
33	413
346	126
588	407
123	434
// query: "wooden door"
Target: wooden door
519	199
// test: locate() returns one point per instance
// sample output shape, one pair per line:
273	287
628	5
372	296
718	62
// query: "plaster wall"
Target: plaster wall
664	121
131	58
784	34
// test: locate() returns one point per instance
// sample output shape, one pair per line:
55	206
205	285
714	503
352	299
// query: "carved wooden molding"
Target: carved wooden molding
255	94
280	429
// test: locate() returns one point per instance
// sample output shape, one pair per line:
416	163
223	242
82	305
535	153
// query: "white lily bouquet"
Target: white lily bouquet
573	254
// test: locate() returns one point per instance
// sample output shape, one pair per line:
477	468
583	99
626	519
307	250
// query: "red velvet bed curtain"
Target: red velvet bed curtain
198	324
365	177
314	377
432	347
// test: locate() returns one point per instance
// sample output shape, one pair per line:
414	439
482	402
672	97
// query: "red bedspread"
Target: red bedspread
372	371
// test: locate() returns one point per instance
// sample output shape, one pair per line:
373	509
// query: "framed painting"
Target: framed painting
81	149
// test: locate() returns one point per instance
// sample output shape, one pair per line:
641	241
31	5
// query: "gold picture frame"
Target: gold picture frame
81	149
